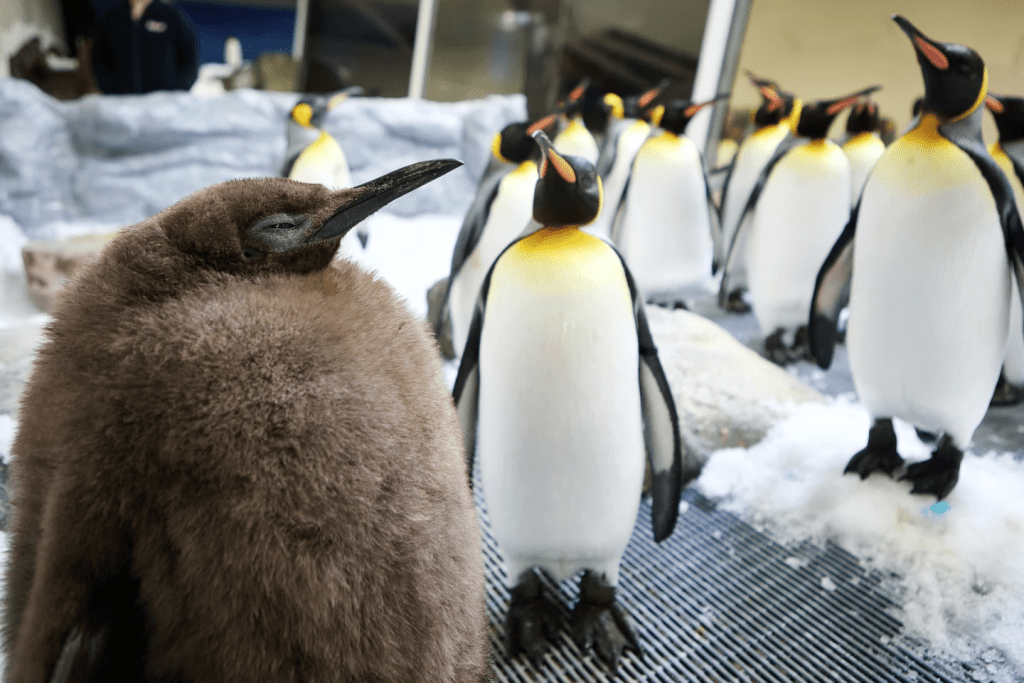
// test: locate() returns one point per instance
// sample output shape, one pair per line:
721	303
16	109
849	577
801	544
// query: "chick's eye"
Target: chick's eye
249	253
280	226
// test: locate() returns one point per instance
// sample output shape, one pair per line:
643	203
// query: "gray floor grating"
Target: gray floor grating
719	601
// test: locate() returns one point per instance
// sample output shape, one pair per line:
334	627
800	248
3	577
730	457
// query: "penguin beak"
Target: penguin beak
694	108
378	193
578	91
924	46
837	106
648	98
541	124
561	166
993	103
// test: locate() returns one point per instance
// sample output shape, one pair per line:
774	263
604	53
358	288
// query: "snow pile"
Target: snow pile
960	561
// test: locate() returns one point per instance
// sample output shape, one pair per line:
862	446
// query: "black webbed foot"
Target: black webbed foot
880	453
801	349
532	621
940	473
600	623
735	303
775	348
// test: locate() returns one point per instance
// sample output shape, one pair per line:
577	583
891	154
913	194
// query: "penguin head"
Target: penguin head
634	106
817	117
572	105
1009	115
955	79
568	191
864	118
279	225
514	144
676	114
776	104
614	105
309	112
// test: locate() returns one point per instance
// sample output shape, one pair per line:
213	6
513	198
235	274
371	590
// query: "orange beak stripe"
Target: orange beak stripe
694	108
577	92
994	104
544	166
541	124
646	98
563	167
773	97
931	53
841	105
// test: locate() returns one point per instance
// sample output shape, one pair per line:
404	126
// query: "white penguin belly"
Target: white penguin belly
1013	365
665	236
804	207
930	291
560	442
627	145
509	215
863	152
751	158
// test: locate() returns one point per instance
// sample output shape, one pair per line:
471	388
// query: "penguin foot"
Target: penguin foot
735	303
927	437
879	454
600	623
940	473
1006	394
669	303
532	621
801	349
775	349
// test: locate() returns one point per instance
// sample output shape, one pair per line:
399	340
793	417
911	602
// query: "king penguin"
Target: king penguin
560	394
925	260
1008	152
314	156
795	212
625	135
774	121
235	463
668	225
863	145
501	212
574	138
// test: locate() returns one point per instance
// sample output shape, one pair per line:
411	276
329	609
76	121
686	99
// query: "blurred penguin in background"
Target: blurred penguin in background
501	212
574	139
625	134
1008	153
863	145
774	120
561	395
925	262
314	156
795	212
668	225
254	471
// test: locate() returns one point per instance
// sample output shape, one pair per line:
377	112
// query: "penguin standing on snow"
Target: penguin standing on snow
668	225
863	145
774	120
925	260
795	212
574	138
502	210
626	134
314	156
253	471
560	394
1008	152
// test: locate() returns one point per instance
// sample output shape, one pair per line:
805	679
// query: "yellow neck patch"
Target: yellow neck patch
926	132
302	114
496	148
794	116
557	261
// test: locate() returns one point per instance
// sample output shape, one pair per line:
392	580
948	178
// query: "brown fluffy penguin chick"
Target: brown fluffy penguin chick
234	463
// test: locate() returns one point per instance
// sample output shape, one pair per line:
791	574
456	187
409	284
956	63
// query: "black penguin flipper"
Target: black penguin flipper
782	150
715	215
720	253
609	152
1006	204
831	294
620	210
469	235
662	434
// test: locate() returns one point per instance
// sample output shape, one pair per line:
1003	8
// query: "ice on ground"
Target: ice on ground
961	561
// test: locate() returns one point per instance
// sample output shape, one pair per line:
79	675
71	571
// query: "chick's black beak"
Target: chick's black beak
380	192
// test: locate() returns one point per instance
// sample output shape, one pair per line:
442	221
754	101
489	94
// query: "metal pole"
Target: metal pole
425	18
301	25
716	66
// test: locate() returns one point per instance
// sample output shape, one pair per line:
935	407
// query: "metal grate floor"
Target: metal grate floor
719	601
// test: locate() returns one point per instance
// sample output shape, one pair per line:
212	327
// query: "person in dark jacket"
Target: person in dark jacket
145	45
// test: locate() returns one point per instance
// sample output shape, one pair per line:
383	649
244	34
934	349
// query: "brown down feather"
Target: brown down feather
267	453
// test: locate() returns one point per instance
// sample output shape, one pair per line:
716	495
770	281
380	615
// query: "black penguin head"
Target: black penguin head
864	118
280	225
634	106
573	104
676	114
568	192
776	104
955	79
816	117
514	144
1009	115
310	111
